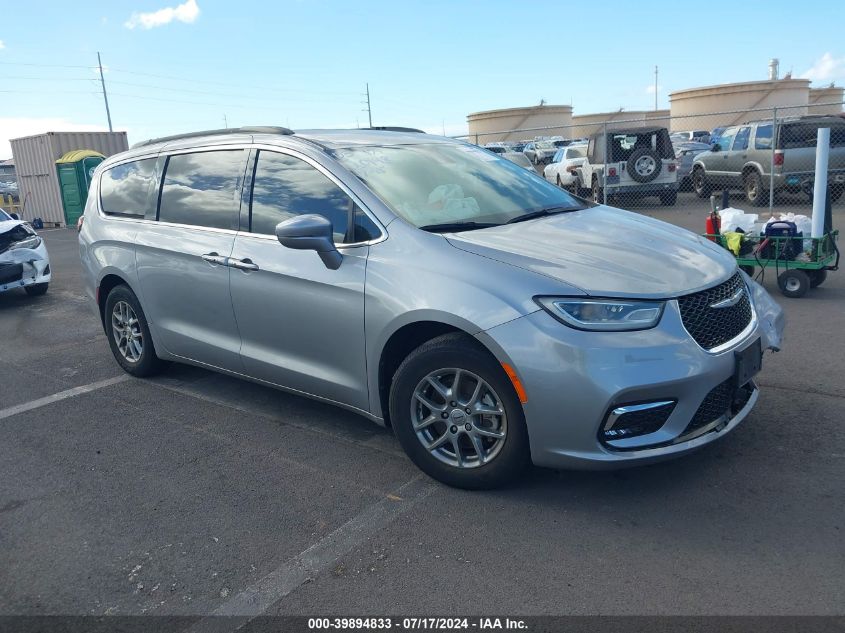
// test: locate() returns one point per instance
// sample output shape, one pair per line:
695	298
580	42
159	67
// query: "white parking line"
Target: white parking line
260	596
62	395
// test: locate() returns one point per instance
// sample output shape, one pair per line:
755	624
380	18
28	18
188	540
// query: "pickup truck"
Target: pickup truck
631	162
741	157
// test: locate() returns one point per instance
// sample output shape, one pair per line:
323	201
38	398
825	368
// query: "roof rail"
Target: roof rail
394	128
249	129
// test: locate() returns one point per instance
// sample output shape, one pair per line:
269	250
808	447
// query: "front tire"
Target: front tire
817	277
457	416
700	184
36	290
129	335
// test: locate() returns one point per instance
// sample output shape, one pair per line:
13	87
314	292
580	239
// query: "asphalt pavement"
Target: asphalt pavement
198	494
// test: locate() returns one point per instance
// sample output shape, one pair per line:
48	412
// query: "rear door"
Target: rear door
302	324
718	163
182	258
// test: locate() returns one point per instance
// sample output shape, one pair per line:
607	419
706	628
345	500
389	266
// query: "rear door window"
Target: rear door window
125	188
203	189
741	140
285	186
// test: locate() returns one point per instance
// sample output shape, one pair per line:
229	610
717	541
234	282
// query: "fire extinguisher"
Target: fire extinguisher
714	223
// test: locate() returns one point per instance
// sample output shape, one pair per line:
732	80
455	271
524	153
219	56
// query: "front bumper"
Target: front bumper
34	267
573	379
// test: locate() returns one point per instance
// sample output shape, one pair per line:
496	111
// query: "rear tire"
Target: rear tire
668	198
36	290
817	277
700	184
794	283
598	194
129	335
456	459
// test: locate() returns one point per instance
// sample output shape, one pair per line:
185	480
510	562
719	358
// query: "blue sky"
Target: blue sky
174	66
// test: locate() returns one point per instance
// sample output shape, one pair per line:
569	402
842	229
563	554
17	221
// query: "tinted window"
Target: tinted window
741	141
805	135
202	189
575	152
285	187
124	189
763	137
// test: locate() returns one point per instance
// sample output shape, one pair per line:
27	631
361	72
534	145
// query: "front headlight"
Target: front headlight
609	315
33	241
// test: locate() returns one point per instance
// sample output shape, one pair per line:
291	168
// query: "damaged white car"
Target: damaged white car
24	262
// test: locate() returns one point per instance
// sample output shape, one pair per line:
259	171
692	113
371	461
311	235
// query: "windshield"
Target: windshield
445	182
4	216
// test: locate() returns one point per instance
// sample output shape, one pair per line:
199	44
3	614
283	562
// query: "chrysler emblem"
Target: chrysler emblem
730	301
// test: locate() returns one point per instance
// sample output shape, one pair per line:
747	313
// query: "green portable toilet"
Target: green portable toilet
75	170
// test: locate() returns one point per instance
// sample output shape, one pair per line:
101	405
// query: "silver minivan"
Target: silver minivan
488	317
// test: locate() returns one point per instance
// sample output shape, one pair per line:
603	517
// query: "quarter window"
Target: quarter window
763	137
285	186
203	189
124	189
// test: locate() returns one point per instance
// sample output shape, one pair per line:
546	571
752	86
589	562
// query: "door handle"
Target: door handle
243	264
214	258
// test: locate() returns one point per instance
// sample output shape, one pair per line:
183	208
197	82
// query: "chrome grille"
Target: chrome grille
709	326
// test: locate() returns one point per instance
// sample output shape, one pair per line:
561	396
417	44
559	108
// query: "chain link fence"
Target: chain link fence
763	158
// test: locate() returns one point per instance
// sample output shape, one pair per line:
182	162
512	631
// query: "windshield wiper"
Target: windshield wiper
451	227
542	213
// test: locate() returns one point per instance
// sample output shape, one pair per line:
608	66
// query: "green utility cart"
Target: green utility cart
74	171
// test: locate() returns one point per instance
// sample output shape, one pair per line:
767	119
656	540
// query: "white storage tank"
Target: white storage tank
35	163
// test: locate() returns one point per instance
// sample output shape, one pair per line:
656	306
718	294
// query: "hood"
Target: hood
606	252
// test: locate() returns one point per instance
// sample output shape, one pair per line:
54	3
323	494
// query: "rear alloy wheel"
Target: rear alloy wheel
129	335
700	185
754	189
457	415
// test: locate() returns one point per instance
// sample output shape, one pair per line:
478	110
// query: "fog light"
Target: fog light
632	420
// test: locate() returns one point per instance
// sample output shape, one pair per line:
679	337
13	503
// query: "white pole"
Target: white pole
820	185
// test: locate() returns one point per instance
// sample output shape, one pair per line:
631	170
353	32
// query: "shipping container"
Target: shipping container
35	163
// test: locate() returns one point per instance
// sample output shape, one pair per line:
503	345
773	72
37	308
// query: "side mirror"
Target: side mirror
310	232
716	148
14	216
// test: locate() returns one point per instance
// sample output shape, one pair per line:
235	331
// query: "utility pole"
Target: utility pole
103	84
369	109
655	88
225	121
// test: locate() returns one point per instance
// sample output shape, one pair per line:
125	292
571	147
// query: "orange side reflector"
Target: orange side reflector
517	384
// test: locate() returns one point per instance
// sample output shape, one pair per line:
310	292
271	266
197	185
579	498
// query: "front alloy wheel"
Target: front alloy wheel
459	418
457	415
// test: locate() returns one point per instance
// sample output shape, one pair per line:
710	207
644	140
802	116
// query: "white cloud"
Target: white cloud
2	45
186	12
649	90
826	68
15	127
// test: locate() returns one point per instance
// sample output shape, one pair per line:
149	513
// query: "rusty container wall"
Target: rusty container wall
35	163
